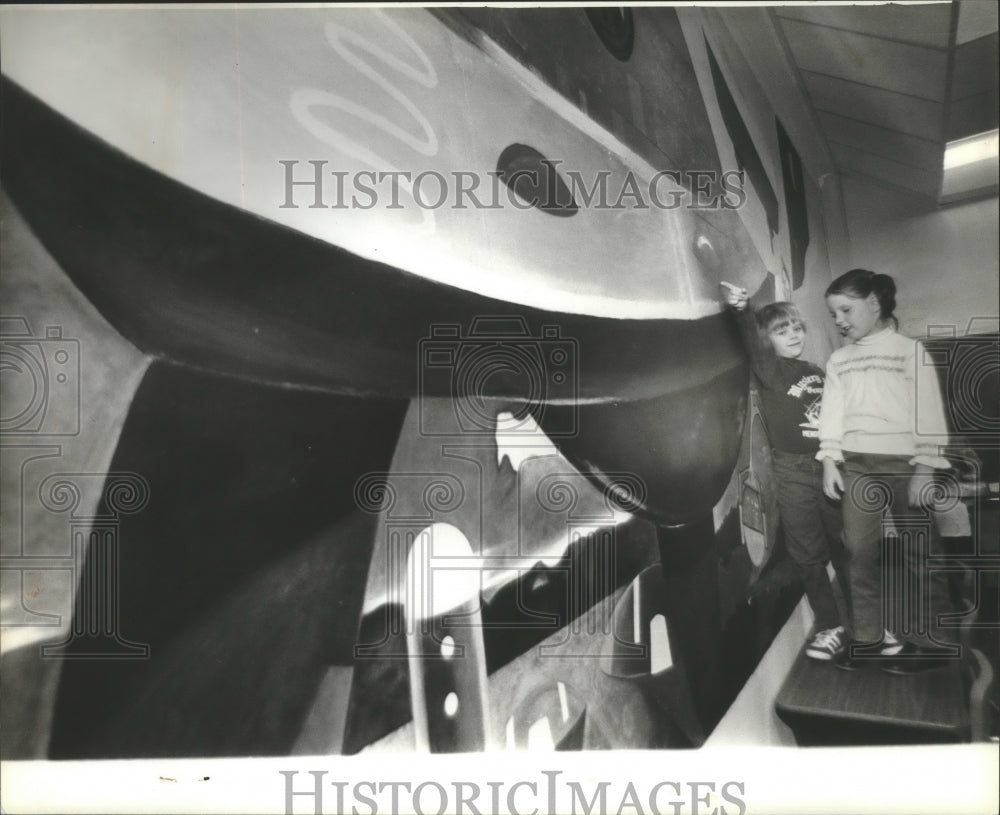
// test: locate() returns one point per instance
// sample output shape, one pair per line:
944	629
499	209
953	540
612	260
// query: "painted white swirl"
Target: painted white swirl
353	48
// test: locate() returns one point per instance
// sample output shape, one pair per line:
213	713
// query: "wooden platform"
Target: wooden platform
827	706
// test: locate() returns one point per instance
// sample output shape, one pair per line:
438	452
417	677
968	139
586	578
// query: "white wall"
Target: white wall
945	260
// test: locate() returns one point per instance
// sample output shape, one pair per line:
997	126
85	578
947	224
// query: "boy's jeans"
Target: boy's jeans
812	524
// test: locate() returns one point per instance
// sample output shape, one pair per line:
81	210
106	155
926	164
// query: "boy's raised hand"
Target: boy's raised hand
735	296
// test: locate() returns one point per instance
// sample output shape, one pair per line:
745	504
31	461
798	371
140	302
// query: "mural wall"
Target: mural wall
545	398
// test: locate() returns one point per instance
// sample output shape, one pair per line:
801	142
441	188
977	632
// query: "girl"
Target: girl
872	402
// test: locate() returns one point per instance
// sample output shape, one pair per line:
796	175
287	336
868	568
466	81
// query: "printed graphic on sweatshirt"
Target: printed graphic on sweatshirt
810	390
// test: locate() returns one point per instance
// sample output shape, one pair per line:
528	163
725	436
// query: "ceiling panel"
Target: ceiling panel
975	19
920	25
868	60
858	162
907	114
890	84
968	76
918	153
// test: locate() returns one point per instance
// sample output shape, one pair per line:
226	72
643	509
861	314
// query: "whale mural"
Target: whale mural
405	270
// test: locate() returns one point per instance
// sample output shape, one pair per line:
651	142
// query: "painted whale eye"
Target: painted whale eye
614	26
535	180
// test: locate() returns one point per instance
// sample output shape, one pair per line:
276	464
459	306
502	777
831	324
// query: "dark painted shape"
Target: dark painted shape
668	689
519	616
535	180
719	629
572	737
692	450
557	44
434	677
795	204
192	280
615	28
245	572
765	293
747	157
692	604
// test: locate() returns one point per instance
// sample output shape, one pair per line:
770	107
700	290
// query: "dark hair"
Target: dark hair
775	316
861	282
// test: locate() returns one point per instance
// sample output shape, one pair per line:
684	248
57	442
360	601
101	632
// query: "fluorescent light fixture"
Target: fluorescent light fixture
971	149
971	168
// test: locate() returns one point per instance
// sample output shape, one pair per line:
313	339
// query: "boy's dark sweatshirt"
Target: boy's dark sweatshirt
790	390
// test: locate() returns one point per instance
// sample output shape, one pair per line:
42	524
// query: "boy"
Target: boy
791	390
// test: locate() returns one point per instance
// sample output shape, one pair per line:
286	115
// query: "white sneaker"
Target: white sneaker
890	645
826	644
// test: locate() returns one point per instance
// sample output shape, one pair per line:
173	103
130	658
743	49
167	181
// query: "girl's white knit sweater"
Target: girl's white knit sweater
882	396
